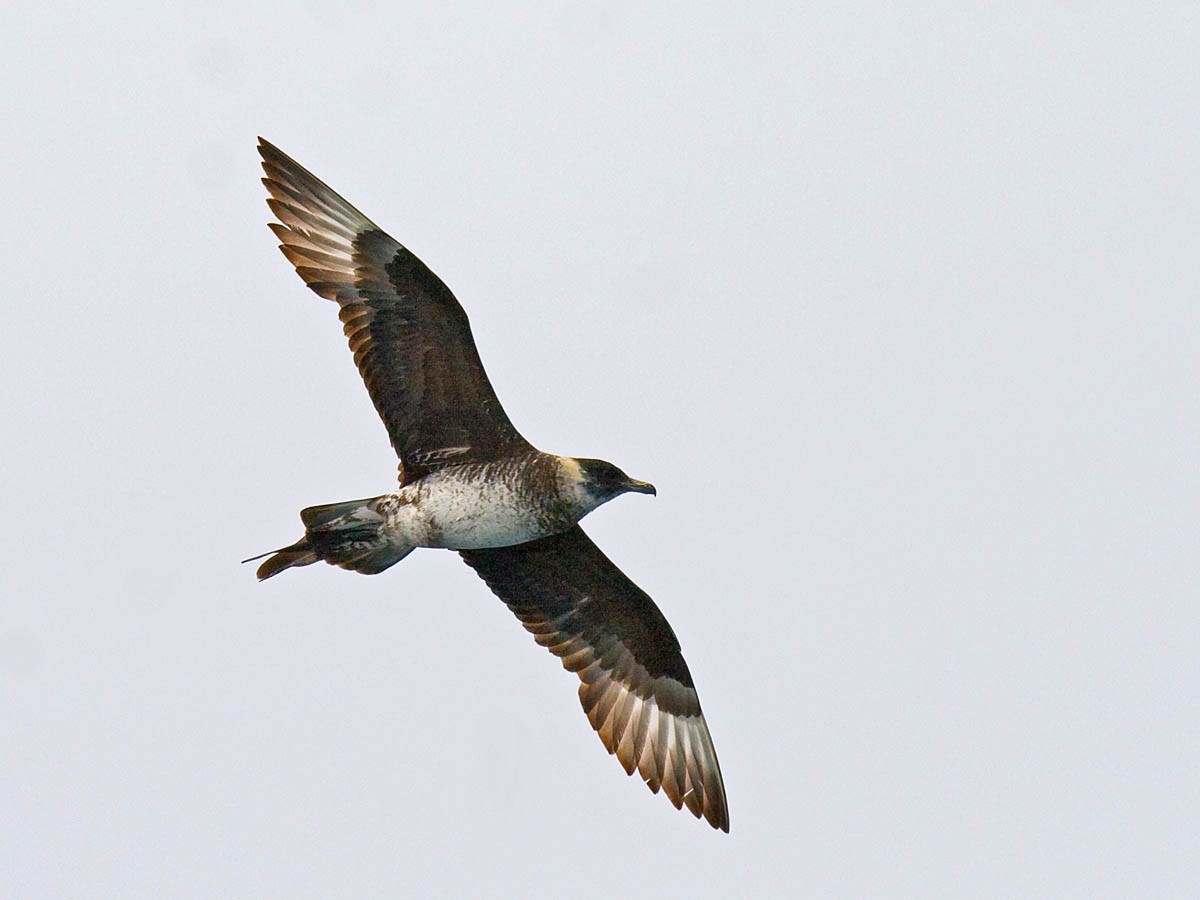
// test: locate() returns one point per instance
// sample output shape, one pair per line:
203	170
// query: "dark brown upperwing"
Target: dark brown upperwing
411	338
636	688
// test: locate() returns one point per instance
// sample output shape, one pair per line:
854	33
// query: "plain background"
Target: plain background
896	305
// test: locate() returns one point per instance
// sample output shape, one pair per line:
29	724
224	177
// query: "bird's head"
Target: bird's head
594	481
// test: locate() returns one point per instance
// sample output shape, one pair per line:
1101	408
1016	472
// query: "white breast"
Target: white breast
453	510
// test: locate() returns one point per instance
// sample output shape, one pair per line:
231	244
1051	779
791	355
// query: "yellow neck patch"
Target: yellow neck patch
570	469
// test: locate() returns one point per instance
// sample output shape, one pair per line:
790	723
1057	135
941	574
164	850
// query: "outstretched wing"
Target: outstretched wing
636	688
411	339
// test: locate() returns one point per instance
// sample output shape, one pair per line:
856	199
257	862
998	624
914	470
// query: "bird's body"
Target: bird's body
469	506
477	505
509	501
470	482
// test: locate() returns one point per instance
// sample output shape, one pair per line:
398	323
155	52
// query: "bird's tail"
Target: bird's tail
347	534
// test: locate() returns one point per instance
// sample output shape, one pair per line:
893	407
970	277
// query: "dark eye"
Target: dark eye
604	473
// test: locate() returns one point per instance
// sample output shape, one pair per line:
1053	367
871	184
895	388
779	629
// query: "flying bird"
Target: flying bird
470	482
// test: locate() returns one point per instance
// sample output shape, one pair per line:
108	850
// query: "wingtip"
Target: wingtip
270	153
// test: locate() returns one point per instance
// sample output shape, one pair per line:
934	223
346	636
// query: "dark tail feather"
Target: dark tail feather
342	534
298	554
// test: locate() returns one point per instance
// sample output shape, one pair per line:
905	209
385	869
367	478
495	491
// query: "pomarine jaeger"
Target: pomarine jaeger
469	482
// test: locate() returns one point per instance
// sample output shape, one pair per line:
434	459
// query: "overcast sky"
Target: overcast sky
896	306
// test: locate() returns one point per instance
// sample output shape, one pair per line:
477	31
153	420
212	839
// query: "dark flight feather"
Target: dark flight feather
410	337
635	687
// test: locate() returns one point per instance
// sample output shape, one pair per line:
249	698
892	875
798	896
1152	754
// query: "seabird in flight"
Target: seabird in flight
469	482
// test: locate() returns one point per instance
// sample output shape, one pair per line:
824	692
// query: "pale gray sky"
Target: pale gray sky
896	306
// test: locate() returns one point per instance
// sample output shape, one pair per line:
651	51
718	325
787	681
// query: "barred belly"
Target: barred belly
472	507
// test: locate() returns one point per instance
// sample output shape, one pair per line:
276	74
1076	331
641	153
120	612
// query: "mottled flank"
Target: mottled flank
470	482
